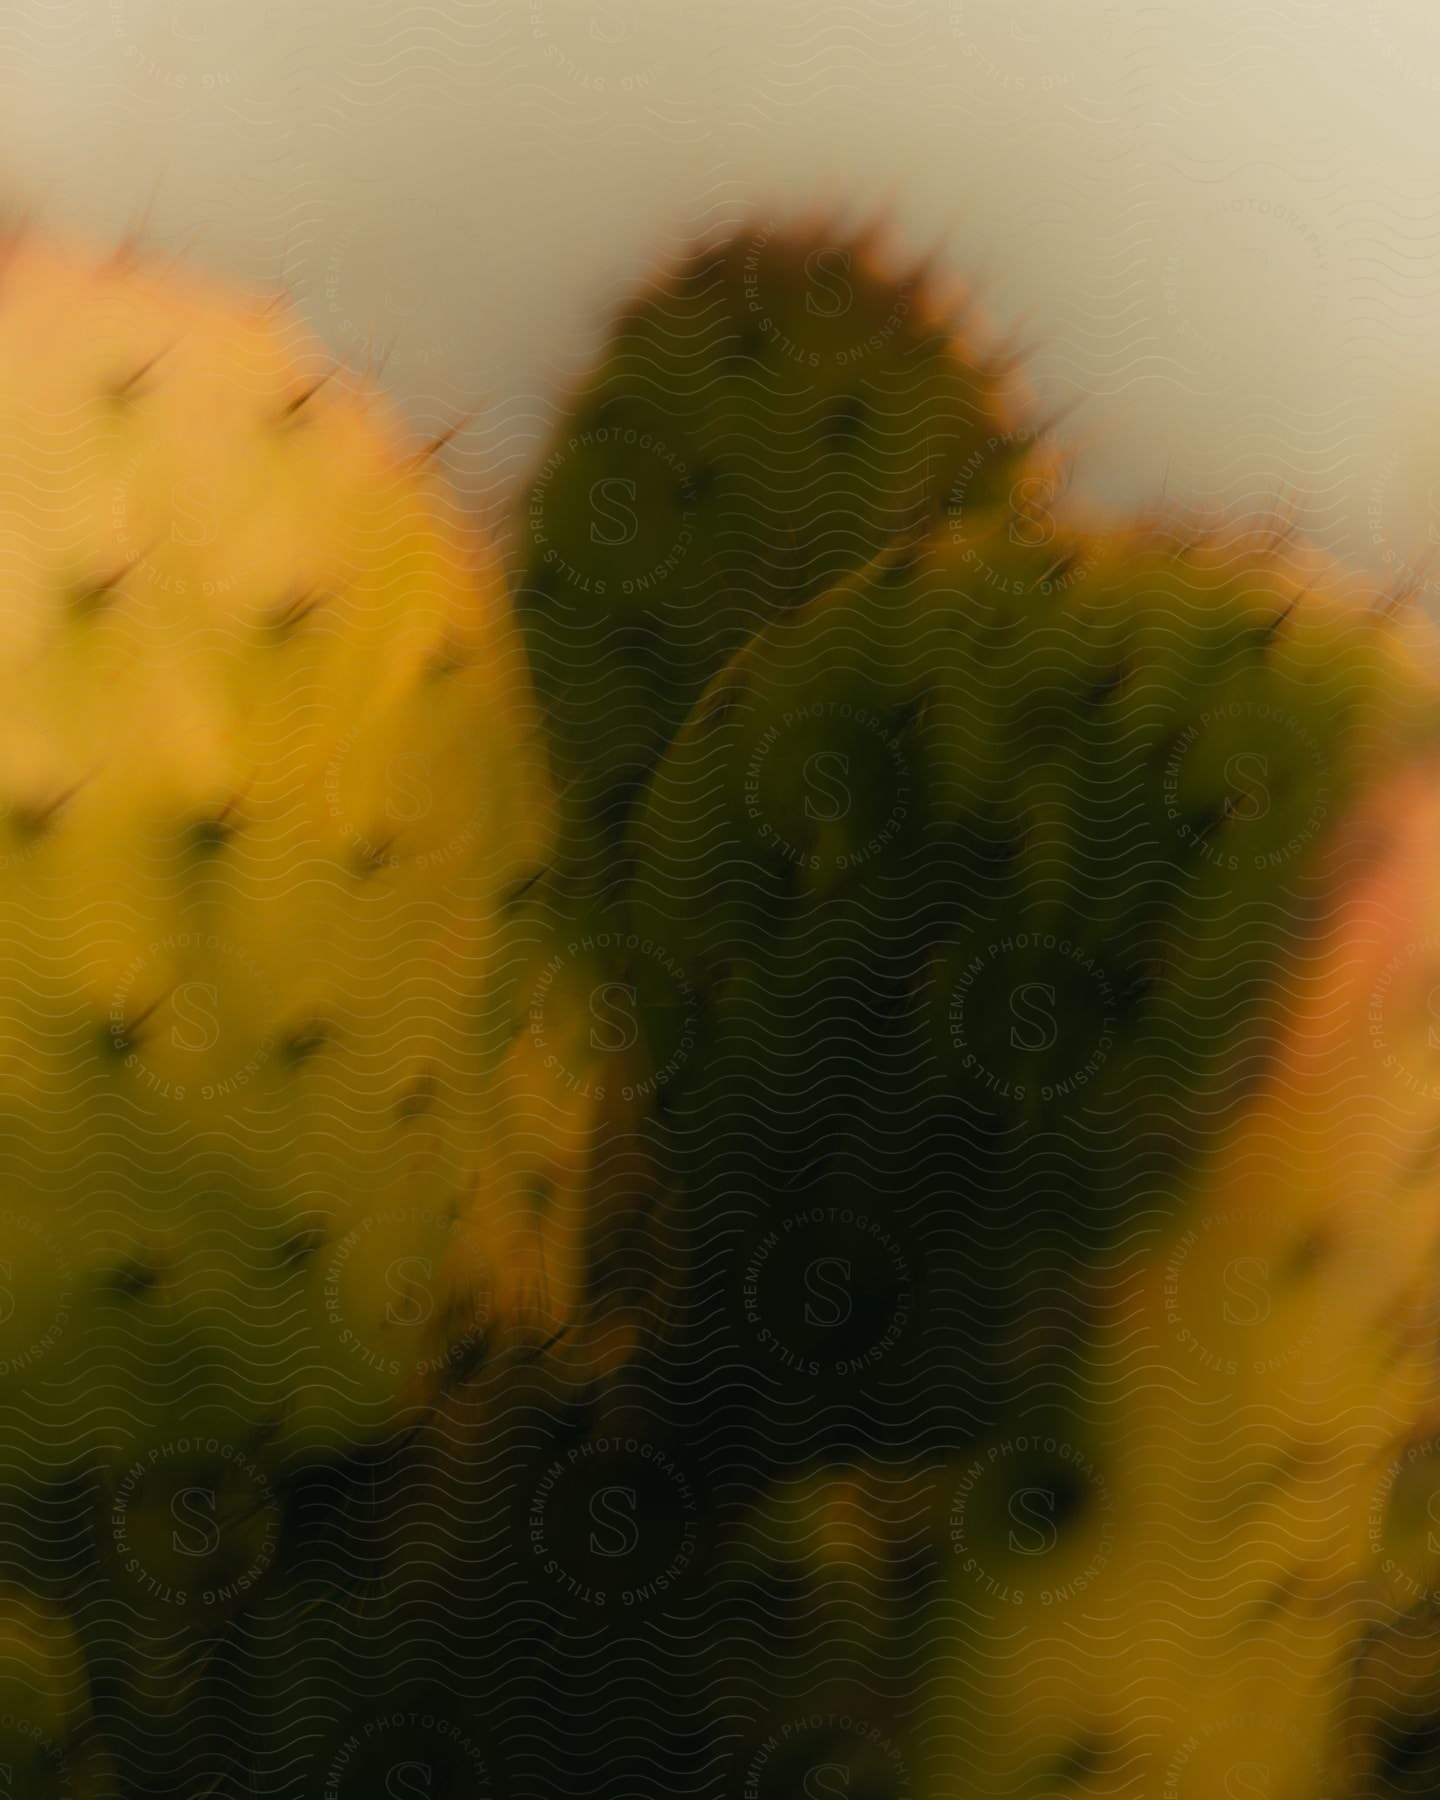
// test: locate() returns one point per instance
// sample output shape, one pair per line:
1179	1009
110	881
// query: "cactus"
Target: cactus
768	414
1013	869
272	781
920	806
1087	997
941	1115
1250	1409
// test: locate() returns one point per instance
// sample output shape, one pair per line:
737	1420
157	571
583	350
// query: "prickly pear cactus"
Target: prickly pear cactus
1011	939
1106	796
271	781
270	775
1027	884
767	415
1067	1121
1222	1511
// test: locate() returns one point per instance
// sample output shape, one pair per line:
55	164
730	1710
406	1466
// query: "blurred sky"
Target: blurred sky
1218	219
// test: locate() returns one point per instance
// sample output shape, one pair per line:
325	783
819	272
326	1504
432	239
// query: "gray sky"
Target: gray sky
1219	221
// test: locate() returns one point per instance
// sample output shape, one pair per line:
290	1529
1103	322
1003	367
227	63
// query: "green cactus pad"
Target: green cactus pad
768	414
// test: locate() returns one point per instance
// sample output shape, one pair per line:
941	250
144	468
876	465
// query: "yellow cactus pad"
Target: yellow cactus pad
269	777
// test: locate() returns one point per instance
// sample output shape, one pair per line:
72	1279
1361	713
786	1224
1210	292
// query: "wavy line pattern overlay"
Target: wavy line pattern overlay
714	1080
